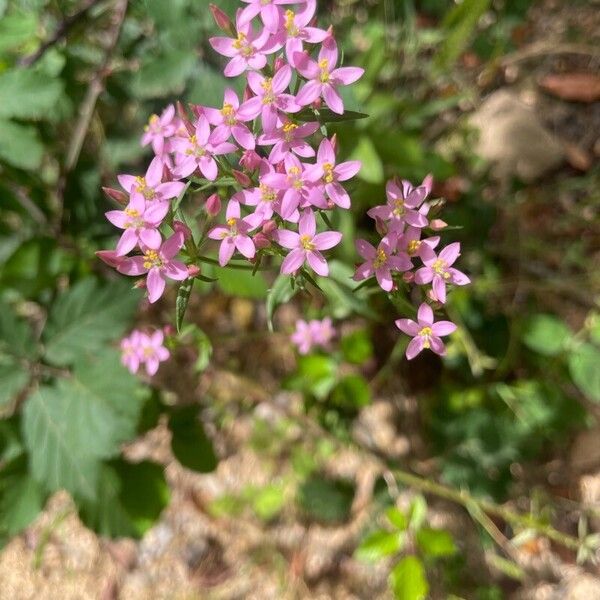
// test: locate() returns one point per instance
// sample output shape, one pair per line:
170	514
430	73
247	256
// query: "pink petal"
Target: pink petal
218	233
209	167
364	271
307	225
236	66
408	326
414	347
250	109
458	277
423	275
439	288
425	315
327	240
156	212
172	246
152	363
243	137
293	261
318	263
155	284
118	218
287	239
226	251
245	246
338	194
347	170
384	278
282	79
442	328
223	45
132	266
450	253
329	53
175	269
309	93
347	75
154	172
170	189
151	238
270	17
437	345
127	242
366	250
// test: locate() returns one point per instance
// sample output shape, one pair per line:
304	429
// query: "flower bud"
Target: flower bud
197	109
248	93
438	224
279	62
193	270
180	227
269	227
169	330
334	143
250	160
110	257
120	197
167	175
222	21
381	226
241	178
408	276
181	113
261	241
317	103
140	284
213	205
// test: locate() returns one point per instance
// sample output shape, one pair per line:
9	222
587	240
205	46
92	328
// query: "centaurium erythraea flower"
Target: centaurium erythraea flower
425	333
288	138
269	12
159	129
150	187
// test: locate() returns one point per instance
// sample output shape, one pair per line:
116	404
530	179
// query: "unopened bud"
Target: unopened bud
166	175
248	93
222	21
317	103
140	284
213	205
269	227
241	178
250	160
261	241
180	227
117	195
279	62
334	143
408	276
438	224
381	226
428	183
193	270
169	330
110	257
197	110
181	113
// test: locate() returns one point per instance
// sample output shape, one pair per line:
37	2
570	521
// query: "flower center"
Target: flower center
426	333
294	179
380	259
399	209
242	44
306	242
289	23
142	188
232	224
265	2
135	221
324	66
196	150
228	113
267	86
153	124
328	175
267	194
288	131
152	259
413	246
439	267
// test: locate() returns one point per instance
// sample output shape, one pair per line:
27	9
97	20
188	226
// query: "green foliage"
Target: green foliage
281	292
546	335
379	545
407	579
326	500
28	94
241	283
357	347
190	444
584	361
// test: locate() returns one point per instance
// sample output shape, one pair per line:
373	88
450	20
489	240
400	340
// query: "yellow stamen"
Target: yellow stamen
306	242
228	113
324	66
268	96
439	266
267	194
152	259
399	209
328	175
142	188
288	131
231	222
380	259
426	333
289	23
413	246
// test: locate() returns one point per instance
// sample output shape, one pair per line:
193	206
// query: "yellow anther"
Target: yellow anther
439	266
240	41
328	173
413	246
288	131
289	23
306	242
399	209
380	259
152	259
267	86
131	212
231	222
267	194
324	66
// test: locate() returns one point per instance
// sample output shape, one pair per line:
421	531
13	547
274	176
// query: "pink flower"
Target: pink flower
197	151
264	198
322	331
439	270
302	337
380	262
288	138
159	265
140	220
270	97
234	235
324	78
296	30
331	174
298	189
247	51
425	333
313	333
411	243
130	351
306	246
153	351
402	206
229	121
110	257
150	187
250	160
159	129
269	11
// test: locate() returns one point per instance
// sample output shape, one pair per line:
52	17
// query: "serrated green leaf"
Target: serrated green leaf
408	581
85	317
546	334
584	363
28	94
190	444
281	292
70	426
435	542
20	145
379	545
16	337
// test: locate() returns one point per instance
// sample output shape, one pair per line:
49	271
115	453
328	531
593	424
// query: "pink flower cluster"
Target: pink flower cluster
313	334
146	349
263	140
403	222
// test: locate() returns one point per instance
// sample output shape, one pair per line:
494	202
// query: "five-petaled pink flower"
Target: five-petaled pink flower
330	174
158	264
404	206
289	137
313	333
230	121
130	351
152	351
411	243
425	333
269	11
306	246
150	187
197	151
438	270
234	235
380	262
140	220
323	77
159	129
247	51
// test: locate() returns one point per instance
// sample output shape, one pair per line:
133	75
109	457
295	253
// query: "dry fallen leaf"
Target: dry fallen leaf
580	87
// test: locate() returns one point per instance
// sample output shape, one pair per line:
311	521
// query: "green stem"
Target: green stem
213	261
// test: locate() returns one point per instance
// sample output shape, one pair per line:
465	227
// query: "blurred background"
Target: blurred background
242	470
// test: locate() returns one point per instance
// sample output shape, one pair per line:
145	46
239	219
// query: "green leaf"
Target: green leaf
546	334
315	374
129	501
241	283
417	512
325	115
408	580
16	29
372	166
397	518
21	497
281	292
183	297
85	317
435	542
357	347
208	87
20	145
164	75
14	378
268	502
28	94
190	444
70	426
379	544
584	367
351	392
16	337
326	500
